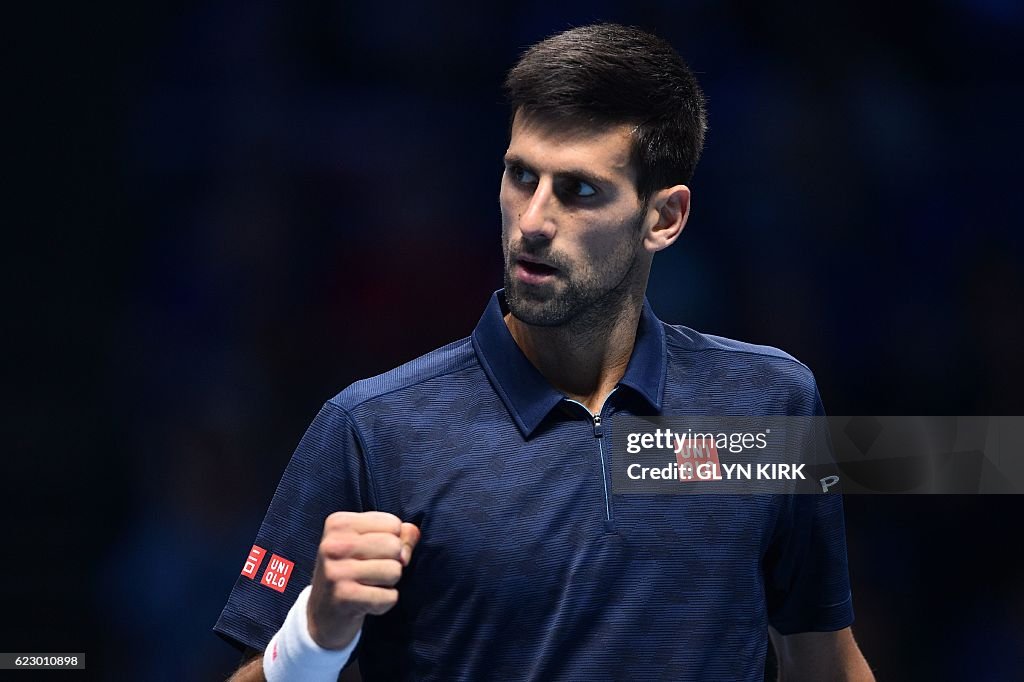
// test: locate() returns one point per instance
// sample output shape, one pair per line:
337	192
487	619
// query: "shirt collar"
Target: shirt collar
524	390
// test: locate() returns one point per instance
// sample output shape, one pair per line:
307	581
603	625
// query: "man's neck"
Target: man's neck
586	358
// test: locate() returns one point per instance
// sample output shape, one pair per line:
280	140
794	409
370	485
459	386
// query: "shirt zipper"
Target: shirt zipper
599	435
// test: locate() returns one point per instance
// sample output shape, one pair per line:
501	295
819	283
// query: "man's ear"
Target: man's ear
671	208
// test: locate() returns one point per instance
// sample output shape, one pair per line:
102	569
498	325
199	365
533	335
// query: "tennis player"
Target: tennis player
453	519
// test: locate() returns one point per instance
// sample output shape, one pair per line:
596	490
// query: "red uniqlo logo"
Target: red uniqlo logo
253	562
698	459
279	571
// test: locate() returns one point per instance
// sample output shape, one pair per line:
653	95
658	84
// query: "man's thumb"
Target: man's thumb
409	535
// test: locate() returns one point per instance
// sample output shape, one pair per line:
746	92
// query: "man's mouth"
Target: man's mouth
531	272
537	268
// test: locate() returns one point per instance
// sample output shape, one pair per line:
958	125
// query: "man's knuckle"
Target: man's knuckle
393	547
339	519
384	602
393	571
337	571
387	522
337	545
346	591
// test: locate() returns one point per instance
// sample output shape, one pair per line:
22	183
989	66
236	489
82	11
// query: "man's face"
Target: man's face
571	221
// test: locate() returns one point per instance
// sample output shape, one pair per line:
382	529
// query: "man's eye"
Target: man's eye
583	189
577	189
521	175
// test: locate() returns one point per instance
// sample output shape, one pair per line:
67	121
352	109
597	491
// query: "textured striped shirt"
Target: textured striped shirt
530	566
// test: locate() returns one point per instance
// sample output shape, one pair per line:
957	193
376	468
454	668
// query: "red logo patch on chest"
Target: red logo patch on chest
698	459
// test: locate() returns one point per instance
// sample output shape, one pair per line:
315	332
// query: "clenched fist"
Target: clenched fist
359	562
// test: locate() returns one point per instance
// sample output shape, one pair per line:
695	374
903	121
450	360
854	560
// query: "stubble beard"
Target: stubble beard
589	296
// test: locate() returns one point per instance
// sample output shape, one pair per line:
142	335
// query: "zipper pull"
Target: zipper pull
597	425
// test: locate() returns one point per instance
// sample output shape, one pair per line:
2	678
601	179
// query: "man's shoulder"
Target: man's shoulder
439	364
737	376
684	340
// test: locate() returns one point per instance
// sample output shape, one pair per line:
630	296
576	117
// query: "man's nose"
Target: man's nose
537	222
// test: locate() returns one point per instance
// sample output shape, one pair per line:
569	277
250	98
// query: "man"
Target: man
454	518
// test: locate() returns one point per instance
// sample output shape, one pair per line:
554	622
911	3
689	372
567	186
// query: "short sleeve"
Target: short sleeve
807	580
326	473
806	575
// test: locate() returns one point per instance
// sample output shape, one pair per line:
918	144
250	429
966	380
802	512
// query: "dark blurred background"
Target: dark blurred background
222	213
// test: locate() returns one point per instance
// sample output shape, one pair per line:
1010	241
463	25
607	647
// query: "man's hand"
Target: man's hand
359	562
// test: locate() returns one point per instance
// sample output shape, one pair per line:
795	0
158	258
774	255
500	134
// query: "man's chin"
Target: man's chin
536	309
538	318
540	305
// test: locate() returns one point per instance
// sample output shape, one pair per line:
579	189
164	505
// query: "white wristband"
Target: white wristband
293	655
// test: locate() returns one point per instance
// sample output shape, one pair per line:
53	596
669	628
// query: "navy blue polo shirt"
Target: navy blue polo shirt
530	567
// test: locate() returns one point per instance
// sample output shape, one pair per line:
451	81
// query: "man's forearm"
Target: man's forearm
820	657
250	671
856	670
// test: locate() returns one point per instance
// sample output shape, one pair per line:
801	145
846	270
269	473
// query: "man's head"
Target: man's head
602	75
607	125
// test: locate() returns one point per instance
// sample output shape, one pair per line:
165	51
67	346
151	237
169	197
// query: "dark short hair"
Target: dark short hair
604	75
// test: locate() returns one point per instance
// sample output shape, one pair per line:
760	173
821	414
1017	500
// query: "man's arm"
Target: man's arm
359	561
820	657
251	670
